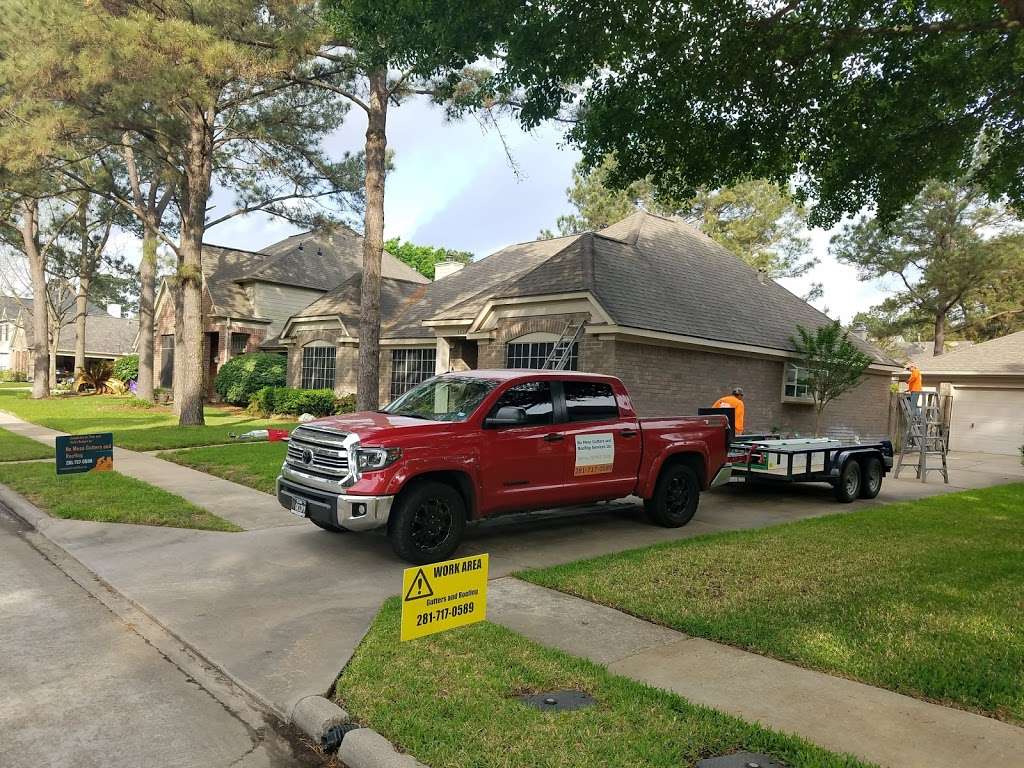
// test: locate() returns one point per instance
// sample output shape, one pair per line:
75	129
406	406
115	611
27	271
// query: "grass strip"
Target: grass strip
135	428
922	597
256	465
106	497
18	448
448	699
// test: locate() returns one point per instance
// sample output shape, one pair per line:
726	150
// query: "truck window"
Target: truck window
445	398
534	397
589	401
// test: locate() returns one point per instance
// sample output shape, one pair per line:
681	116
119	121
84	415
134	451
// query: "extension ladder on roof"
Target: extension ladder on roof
561	352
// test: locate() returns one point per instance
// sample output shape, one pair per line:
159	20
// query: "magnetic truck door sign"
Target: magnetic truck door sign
444	596
595	454
85	453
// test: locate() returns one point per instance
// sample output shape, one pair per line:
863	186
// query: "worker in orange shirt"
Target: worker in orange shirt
734	401
914	386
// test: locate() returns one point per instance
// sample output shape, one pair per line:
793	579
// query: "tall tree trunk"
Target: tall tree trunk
940	334
179	334
40	301
147	300
81	309
188	361
368	386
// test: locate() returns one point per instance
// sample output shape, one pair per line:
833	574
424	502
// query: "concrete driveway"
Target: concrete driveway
281	609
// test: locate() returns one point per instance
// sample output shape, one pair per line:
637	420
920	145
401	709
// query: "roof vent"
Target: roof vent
860	330
447	267
762	276
300	246
319	251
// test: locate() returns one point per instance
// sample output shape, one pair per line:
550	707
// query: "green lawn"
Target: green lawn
924	597
256	465
449	700
140	429
106	497
17	448
15	385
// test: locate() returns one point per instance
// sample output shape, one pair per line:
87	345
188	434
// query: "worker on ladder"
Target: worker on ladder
914	385
734	401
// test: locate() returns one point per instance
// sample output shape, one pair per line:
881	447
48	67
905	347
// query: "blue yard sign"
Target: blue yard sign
85	453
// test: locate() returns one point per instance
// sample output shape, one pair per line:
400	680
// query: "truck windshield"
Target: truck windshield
441	399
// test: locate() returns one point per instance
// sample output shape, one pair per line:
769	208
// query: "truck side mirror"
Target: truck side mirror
506	416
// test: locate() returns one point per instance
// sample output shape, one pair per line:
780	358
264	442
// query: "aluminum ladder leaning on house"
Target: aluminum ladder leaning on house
924	435
561	351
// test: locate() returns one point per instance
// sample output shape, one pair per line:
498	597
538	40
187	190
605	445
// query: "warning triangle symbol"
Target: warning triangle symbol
420	587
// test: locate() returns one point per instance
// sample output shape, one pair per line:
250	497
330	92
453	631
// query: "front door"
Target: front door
522	466
167	360
603	448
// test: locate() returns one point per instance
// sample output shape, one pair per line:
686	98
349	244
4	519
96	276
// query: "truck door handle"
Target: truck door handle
554	437
629	433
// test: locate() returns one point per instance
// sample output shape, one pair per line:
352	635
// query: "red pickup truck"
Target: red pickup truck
465	446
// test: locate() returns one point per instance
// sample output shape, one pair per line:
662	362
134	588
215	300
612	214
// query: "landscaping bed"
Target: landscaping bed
256	465
17	448
106	497
135	426
449	700
922	597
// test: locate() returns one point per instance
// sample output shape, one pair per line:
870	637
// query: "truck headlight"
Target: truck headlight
368	459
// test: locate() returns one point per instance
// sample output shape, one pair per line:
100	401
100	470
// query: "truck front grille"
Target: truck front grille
307	452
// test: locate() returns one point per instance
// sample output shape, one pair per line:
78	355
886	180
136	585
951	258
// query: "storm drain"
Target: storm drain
334	735
740	760
558	701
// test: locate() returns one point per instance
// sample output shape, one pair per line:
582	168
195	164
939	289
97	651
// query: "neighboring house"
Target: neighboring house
248	295
12	310
987	384
107	337
679	318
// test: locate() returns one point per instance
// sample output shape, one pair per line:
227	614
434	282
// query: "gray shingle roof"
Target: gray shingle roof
104	335
343	302
321	260
999	357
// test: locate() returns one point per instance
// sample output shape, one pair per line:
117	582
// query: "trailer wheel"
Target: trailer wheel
675	498
871	479
847	488
427	524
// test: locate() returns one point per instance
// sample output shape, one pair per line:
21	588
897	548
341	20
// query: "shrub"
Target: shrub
285	401
12	375
127	368
345	404
243	376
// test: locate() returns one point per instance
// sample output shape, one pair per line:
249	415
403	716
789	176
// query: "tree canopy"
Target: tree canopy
861	101
423	258
947	250
832	363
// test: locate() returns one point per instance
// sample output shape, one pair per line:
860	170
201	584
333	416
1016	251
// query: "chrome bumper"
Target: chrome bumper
723	476
350	511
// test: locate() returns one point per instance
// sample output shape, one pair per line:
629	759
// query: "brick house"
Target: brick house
248	295
677	317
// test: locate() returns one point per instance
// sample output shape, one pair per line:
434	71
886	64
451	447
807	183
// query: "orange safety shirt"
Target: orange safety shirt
914	385
731	401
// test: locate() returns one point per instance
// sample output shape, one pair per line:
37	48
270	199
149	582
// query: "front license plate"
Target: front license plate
299	507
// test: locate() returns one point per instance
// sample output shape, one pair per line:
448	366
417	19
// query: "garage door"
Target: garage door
987	420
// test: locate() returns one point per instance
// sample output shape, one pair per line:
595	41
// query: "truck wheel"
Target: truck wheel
871	477
427	524
328	526
675	497
847	488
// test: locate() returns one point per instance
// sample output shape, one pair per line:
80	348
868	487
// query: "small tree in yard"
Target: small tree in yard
834	364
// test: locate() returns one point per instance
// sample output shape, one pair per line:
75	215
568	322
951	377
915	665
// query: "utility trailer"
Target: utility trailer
854	470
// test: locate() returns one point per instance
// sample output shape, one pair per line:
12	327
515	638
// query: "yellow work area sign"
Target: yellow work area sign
444	596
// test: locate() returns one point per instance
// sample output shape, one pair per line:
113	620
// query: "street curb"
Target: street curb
313	715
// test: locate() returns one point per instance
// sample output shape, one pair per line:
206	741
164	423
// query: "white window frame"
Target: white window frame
316	369
791	378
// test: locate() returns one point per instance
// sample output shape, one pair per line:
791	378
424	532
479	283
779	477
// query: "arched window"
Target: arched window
318	358
531	350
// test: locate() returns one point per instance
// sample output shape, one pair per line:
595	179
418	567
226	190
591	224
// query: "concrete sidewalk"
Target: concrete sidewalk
874	724
247	508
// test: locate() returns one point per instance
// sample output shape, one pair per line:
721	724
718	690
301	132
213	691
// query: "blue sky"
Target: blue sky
454	186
